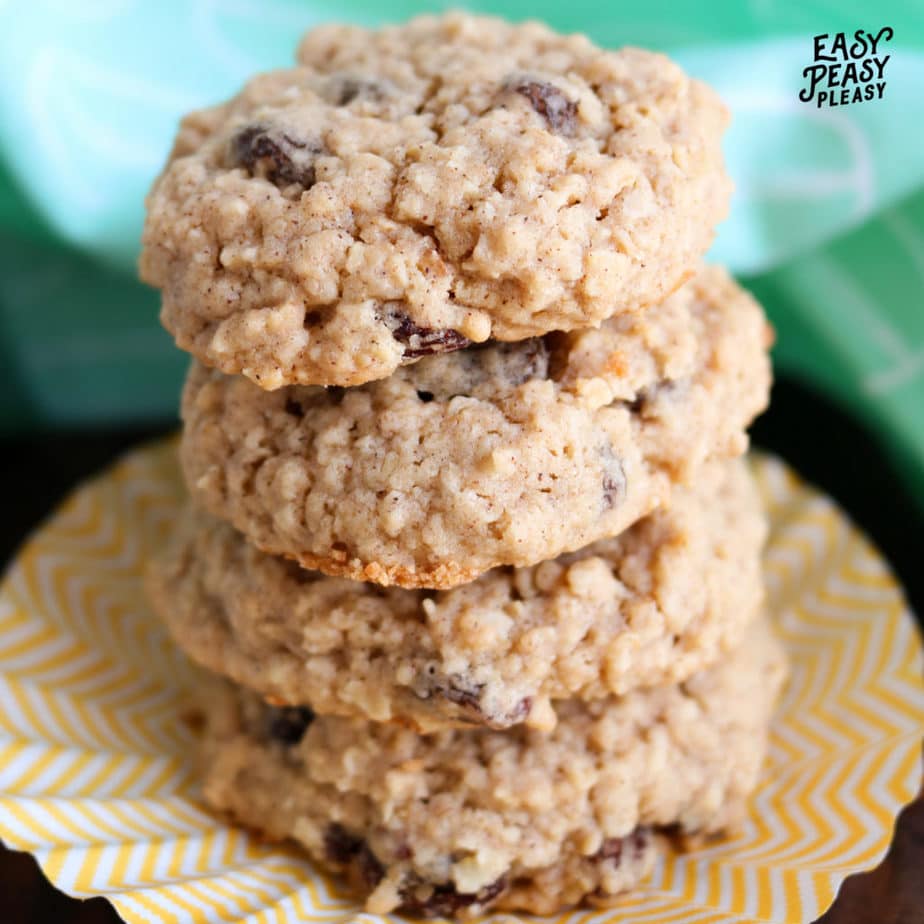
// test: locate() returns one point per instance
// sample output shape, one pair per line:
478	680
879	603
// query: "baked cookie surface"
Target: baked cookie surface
668	597
458	821
505	454
410	190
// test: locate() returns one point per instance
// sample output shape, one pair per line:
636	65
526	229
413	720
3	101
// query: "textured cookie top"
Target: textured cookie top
409	190
505	454
472	810
665	598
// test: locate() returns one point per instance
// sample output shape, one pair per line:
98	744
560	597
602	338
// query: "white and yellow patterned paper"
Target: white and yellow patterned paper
97	780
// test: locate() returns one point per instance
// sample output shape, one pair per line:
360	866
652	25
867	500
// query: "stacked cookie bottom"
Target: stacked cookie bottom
466	819
483	631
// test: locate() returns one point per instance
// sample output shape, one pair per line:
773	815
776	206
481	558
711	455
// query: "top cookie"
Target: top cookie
410	190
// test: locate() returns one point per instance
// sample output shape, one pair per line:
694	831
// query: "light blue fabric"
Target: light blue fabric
90	97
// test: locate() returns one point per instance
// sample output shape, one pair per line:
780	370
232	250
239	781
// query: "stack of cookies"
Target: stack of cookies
470	541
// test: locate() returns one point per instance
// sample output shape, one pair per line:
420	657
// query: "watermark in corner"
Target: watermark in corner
847	68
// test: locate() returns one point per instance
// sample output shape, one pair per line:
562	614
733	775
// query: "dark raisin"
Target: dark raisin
614	478
278	156
294	408
345	89
369	868
459	691
647	399
468	697
422	341
615	850
339	845
288	724
403	852
345	849
439	901
559	112
312	319
425	396
643	398
520	711
611	850
640	840
454	688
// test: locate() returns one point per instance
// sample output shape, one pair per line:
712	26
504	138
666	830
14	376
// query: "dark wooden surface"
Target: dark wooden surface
827	447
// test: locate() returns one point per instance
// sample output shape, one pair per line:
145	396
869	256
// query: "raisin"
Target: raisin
614	478
345	849
468	697
642	399
369	868
614	848
312	319
282	159
288	724
422	341
403	852
559	112
345	89
611	850
339	845
453	688
520	711
647	398
439	901
425	396
640	839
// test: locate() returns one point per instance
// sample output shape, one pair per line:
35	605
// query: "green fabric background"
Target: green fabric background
827	226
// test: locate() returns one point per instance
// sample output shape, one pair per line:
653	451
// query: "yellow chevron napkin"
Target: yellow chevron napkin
96	778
